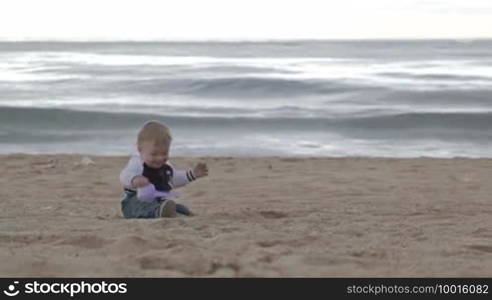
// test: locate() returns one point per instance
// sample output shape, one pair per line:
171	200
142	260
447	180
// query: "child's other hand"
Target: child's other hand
139	181
200	170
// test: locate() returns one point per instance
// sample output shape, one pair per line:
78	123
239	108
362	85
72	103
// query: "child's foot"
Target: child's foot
181	209
168	209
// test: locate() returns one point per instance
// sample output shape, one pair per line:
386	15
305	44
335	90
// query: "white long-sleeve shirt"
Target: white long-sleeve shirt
164	178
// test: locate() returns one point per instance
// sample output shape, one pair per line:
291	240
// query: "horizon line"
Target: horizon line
245	40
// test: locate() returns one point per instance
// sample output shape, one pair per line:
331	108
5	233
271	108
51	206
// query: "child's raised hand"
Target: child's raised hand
200	170
139	181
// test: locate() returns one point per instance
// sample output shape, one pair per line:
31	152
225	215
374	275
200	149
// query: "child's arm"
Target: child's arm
183	177
148	193
131	176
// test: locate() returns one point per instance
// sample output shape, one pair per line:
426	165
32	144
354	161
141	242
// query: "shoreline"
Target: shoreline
255	217
65	154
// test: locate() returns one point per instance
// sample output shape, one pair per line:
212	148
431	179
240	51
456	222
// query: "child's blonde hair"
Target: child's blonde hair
156	132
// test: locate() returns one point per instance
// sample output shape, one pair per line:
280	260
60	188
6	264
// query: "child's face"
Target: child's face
154	156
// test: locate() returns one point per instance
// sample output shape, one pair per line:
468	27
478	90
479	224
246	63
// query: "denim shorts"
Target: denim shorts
132	208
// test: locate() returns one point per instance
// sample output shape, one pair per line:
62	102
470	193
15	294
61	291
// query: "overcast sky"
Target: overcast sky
239	20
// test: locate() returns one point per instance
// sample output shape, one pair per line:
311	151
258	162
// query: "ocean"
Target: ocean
381	98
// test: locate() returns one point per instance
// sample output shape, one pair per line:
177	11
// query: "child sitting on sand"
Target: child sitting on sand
148	178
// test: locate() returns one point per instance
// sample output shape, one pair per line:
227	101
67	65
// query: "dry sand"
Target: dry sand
280	217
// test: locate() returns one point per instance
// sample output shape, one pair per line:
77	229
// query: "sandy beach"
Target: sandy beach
260	217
